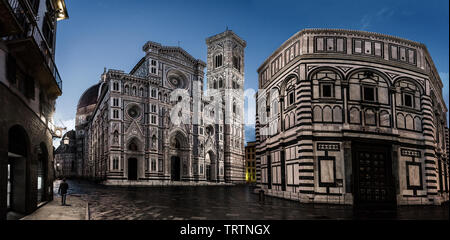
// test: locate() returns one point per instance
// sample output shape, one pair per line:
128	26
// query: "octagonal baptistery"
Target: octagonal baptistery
352	117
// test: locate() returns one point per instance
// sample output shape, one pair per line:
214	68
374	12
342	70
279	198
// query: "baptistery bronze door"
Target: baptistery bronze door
374	183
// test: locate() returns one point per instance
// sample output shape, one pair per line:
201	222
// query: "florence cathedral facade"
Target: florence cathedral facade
156	124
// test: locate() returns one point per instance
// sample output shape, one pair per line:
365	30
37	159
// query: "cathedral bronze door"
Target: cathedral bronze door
175	169
374	183
132	169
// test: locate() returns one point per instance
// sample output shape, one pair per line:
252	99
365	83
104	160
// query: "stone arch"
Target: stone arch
286	81
317	114
180	136
418	124
383	76
401	121
337	114
327	113
292	120
134	144
211	166
410	80
286	122
316	70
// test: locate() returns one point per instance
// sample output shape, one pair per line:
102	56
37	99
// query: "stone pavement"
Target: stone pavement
77	209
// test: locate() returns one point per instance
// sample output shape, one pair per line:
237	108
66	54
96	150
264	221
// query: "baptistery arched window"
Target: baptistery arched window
324	82
289	91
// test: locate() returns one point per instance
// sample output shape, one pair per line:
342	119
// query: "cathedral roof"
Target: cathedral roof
89	97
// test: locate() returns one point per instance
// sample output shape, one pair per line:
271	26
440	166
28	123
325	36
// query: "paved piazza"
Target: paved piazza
220	203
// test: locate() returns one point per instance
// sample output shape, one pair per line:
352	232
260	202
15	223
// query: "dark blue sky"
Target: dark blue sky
111	33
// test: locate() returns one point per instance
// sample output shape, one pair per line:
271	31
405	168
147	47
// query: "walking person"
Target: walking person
63	187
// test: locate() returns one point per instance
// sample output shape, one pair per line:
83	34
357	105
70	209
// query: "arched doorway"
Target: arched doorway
18	152
42	173
175	170
211	167
179	149
132	169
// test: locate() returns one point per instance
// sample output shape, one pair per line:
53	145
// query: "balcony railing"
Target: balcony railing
31	31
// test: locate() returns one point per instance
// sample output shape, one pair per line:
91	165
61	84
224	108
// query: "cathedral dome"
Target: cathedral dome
89	97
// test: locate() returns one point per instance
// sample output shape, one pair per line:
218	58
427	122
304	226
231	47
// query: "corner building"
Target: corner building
29	86
352	117
127	126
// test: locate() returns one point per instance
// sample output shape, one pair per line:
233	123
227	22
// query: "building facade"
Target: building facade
29	86
85	108
351	117
66	164
132	132
250	162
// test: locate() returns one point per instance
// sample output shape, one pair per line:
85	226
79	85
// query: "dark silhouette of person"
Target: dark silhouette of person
63	187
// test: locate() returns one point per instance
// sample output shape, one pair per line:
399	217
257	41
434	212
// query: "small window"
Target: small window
115	102
116	86
291	99
369	93
116	114
218	61
327	90
408	100
153	63
237	63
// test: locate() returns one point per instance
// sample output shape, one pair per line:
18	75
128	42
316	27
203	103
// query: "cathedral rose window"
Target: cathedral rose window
134	112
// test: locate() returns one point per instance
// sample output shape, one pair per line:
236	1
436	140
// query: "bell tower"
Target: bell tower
225	77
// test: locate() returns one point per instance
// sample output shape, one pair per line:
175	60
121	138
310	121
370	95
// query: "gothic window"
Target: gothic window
153	93
134	91
116	86
234	108
237	63
153	67
215	84
116	114
115	102
127	89
141	92
220	83
218	61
